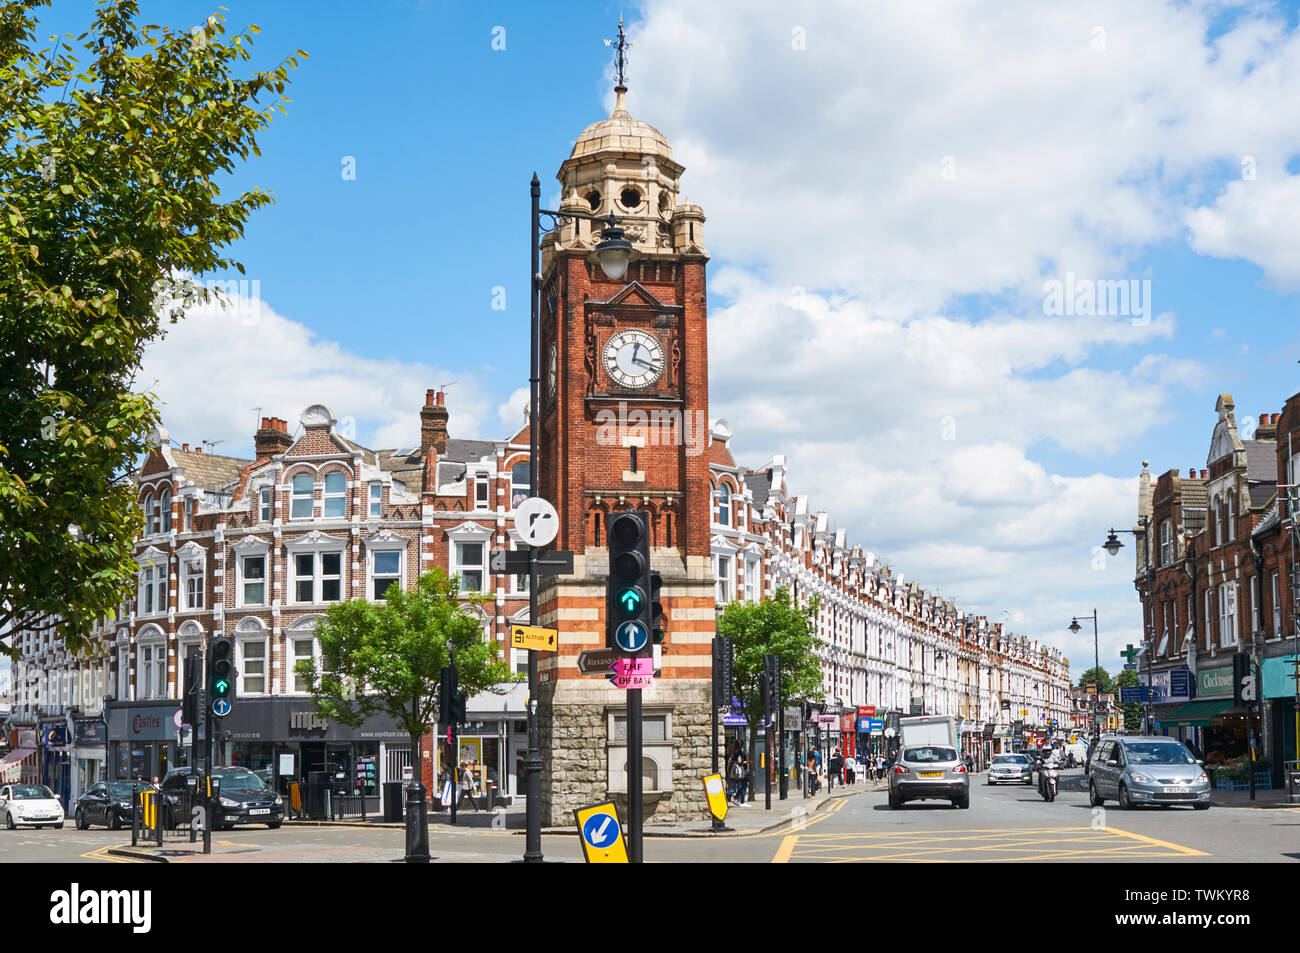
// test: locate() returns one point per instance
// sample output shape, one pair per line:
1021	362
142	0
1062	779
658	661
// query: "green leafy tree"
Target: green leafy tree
1105	684
1132	710
774	626
388	658
109	162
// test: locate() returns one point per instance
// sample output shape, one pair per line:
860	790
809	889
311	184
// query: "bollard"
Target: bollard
417	824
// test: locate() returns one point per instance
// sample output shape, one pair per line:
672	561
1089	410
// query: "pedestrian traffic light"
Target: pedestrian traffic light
656	608
448	689
221	675
628	621
190	704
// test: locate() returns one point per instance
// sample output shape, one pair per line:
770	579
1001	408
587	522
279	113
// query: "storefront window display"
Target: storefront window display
1226	744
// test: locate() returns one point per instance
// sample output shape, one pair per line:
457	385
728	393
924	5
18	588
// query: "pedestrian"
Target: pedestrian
849	776
736	775
812	772
467	784
834	767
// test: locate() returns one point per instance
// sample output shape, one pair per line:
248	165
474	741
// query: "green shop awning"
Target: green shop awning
1196	714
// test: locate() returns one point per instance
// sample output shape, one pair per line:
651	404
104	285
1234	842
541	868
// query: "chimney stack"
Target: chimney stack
433	423
271	438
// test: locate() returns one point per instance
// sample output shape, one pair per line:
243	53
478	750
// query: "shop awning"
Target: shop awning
1196	714
11	764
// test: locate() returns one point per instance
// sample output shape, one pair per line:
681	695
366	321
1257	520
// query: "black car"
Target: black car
245	799
108	803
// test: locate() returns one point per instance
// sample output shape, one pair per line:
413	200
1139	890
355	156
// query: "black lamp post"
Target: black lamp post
614	253
1096	662
1113	546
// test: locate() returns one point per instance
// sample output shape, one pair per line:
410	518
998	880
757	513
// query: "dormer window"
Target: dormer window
482	489
264	505
376	500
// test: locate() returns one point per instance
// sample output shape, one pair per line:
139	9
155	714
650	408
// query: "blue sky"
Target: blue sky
1103	139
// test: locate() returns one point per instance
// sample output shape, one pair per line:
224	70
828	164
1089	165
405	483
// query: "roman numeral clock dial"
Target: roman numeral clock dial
633	359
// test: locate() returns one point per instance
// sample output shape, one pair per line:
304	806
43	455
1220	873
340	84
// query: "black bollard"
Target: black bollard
417	824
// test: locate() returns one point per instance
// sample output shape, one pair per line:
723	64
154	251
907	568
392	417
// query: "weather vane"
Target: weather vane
624	44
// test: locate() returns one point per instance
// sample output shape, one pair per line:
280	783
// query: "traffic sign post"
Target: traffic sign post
597	661
716	792
601	833
536	521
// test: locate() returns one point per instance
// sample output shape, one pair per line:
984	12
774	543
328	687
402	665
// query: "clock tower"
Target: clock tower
623	425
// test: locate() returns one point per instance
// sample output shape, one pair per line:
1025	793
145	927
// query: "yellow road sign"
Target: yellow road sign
534	637
716	791
601	833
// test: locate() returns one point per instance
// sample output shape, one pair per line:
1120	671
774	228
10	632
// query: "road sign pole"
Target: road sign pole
717	677
533	764
634	774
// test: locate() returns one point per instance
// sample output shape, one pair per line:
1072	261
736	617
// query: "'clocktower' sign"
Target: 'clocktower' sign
624	426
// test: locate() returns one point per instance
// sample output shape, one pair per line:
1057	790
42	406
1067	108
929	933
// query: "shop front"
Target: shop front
56	758
144	739
284	740
1219	731
495	738
1278	682
89	737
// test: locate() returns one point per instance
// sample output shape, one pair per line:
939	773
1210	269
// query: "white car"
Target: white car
33	804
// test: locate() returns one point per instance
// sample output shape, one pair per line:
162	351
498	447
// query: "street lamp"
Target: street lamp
1113	546
1096	655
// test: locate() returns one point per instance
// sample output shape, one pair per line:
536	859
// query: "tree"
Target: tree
1105	685
388	658
1132	710
777	627
108	191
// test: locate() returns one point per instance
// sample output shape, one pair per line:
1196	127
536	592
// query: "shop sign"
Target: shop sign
307	721
846	723
26	738
1280	677
54	735
866	711
792	719
876	726
1213	682
90	732
1181	684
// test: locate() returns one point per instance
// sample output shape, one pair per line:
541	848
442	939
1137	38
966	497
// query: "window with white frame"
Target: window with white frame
302	648
336	493
752	591
187	510
1209	628
151	670
1216	511
1228	614
376	500
385	570
469	560
1254	604
1277	609
521	483
1232	516
252	580
1166	543
482	493
722	574
252	666
724	505
303	503
123	674
264	504
166	506
146	591
147	506
192	582
317	577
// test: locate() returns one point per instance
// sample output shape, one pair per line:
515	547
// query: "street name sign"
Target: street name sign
597	661
534	637
601	833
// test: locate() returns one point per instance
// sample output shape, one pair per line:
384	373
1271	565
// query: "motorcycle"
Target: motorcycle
1049	780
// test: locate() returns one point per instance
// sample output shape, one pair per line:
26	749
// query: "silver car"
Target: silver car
1136	770
929	771
1014	768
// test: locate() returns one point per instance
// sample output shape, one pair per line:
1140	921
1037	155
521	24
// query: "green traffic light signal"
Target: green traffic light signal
630	600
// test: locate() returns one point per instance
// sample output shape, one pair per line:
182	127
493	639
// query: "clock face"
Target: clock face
551	376
634	358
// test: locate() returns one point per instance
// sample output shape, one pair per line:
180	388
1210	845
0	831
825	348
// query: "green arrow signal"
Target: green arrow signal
221	686
630	600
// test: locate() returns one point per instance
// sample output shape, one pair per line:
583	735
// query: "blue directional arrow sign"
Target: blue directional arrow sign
601	830
632	636
221	707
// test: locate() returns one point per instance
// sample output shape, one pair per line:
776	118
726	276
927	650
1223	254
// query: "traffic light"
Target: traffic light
656	608
448	689
628	618
190	704
771	683
458	708
221	675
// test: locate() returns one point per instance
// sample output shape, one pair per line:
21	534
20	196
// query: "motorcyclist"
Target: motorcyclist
1051	759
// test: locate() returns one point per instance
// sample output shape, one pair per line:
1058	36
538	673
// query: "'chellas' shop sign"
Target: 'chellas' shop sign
1214	681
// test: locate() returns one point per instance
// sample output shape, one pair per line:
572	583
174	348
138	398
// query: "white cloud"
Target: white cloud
215	368
1255	220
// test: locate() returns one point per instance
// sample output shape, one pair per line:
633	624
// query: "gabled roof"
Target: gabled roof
209	470
760	484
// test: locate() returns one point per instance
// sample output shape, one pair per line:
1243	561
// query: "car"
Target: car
33	804
1011	767
1136	770
244	798
109	803
929	771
